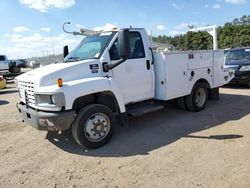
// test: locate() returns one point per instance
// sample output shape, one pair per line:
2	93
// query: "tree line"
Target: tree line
232	34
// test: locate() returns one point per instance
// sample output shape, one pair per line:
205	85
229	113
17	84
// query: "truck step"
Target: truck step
138	110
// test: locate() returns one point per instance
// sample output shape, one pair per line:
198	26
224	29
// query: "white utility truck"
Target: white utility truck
113	75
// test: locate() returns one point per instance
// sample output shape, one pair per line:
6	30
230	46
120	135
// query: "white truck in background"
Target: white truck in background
112	75
8	67
4	64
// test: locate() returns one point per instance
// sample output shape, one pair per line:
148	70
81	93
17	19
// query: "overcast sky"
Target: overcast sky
30	27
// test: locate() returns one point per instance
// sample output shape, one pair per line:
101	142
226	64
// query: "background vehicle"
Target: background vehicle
34	64
116	74
238	59
4	64
22	63
12	66
2	82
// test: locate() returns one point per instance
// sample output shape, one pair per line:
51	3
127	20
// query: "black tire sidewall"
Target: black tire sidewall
15	69
80	121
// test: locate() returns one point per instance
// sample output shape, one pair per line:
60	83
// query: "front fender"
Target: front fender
77	88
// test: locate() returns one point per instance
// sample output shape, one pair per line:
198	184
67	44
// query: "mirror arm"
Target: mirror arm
116	64
107	67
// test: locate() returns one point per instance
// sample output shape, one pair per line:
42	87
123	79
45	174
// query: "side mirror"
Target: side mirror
123	43
65	51
123	49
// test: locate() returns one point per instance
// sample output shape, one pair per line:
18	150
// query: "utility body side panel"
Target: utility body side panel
177	75
219	72
177	72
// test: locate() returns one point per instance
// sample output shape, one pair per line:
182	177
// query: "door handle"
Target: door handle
148	64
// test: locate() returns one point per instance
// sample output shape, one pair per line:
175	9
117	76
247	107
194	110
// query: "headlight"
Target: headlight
245	68
50	100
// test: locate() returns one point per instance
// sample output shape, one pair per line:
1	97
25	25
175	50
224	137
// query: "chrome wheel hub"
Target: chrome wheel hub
97	127
200	97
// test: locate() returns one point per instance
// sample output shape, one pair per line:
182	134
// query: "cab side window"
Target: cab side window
136	47
113	52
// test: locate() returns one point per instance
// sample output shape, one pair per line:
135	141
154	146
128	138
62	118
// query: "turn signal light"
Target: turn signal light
59	82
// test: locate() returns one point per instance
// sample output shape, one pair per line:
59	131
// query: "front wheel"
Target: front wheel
93	126
198	99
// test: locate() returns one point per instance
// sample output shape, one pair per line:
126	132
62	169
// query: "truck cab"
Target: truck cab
111	76
4	63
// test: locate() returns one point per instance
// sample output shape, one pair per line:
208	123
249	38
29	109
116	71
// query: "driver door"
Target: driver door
134	77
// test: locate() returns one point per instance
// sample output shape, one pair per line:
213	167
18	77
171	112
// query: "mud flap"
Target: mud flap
213	94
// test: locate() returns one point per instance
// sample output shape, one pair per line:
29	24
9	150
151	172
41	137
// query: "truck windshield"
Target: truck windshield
91	47
2	58
238	54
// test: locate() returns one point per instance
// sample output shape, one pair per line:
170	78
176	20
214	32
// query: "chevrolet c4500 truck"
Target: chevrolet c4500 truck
112	75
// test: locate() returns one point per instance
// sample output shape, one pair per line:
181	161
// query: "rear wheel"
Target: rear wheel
198	99
15	69
93	126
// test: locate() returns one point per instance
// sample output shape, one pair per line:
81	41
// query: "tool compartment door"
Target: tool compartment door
176	67
200	59
219	68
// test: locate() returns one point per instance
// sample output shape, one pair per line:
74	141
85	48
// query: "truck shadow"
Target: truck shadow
241	86
3	102
156	130
7	91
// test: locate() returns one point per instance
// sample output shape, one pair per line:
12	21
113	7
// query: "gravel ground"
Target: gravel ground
169	148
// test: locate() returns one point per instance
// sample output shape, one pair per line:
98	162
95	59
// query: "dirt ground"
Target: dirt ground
169	148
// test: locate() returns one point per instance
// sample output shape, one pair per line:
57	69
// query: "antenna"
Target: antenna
65	29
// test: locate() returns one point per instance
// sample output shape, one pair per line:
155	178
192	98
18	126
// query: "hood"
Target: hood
239	62
48	75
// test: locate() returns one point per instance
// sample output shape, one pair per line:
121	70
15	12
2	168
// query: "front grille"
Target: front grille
26	91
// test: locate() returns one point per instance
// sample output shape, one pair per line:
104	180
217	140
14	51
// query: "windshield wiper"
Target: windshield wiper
70	59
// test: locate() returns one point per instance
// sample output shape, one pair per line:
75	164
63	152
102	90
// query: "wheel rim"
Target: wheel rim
15	69
97	127
200	97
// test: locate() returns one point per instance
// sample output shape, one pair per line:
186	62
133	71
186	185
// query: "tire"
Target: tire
15	69
93	126
181	103
248	85
198	99
9	77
